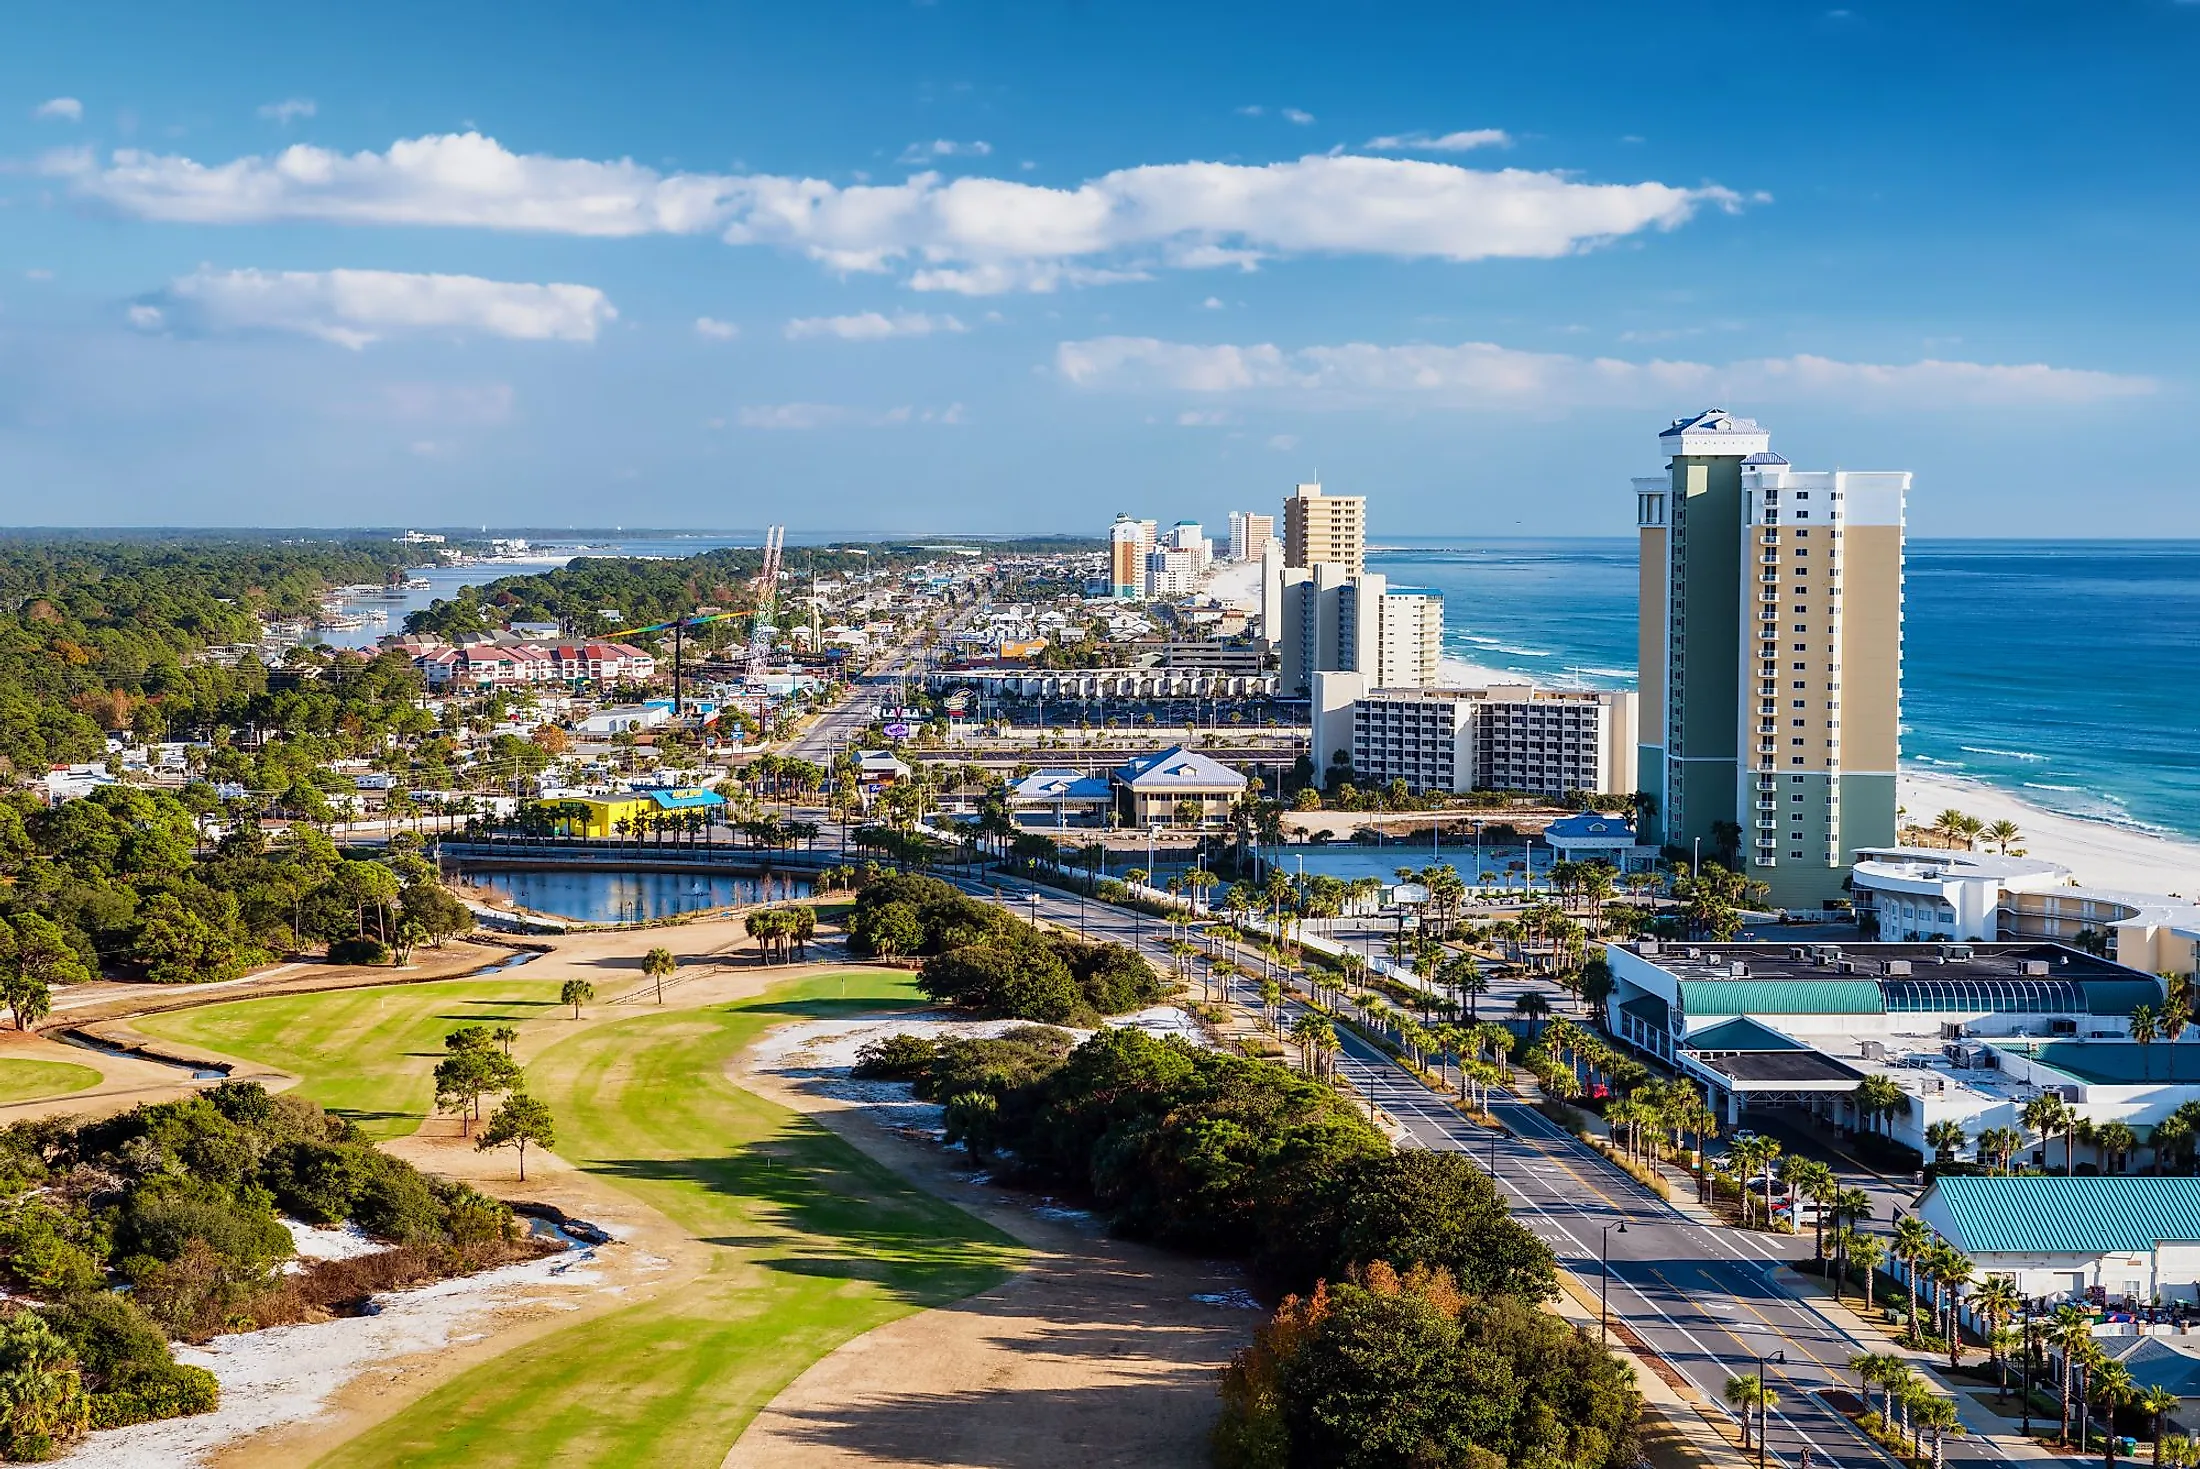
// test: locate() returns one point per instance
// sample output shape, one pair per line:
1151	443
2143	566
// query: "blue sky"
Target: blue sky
1016	267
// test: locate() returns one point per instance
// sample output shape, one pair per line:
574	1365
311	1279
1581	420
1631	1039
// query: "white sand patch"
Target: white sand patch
287	1374
1161	1022
346	1242
2097	853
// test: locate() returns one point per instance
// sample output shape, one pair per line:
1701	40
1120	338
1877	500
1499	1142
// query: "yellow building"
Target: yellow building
620	816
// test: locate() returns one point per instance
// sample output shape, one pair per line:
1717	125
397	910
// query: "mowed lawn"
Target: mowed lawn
25	1081
810	1242
369	1054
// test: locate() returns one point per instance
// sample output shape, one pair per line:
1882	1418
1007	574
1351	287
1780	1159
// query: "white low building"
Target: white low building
2134	1239
1923	894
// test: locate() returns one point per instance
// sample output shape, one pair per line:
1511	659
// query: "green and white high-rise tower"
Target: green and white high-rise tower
1770	640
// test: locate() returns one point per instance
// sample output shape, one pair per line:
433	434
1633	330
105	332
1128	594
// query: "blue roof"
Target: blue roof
1706	997
2042	1214
1589	824
680	800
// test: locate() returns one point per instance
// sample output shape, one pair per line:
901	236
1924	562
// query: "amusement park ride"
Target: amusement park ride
760	630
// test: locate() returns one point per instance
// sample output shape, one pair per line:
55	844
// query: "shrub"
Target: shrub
359	950
894	1058
172	1390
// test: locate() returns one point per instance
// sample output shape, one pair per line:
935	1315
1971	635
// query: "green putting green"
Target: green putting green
811	1242
369	1054
27	1081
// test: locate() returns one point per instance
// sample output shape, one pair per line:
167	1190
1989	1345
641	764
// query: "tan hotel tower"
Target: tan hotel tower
1771	654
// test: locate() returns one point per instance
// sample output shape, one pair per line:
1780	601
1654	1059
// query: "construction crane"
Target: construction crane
760	634
767	597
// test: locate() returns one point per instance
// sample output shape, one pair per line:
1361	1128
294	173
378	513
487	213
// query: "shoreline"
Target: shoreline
2098	852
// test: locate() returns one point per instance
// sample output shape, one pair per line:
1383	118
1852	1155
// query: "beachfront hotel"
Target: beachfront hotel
1320	528
1770	640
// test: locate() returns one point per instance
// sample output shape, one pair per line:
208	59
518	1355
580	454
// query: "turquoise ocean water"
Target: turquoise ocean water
2065	672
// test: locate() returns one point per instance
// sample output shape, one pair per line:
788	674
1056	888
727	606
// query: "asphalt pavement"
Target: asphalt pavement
1703	1298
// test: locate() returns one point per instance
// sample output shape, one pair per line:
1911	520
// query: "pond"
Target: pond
596	896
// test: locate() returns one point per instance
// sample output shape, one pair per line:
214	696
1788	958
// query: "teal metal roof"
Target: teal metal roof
1701	997
2042	1214
684	798
2121	996
1742	1034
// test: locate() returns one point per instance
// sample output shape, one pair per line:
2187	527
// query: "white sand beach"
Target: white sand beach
2097	853
1235	584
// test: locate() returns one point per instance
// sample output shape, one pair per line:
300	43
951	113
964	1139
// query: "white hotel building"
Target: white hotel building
1502	738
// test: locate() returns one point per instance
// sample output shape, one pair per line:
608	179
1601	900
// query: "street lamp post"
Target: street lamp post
1604	1283
2024	1307
1764	1405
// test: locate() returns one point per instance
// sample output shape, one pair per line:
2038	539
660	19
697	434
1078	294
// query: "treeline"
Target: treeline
979	956
1419	1339
121	880
101	635
167	1222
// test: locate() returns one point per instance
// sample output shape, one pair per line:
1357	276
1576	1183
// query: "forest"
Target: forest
1410	1331
104	635
167	1222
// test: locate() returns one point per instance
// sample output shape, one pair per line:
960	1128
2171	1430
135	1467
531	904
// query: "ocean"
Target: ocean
2064	672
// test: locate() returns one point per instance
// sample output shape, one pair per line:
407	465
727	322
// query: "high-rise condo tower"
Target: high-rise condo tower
1771	652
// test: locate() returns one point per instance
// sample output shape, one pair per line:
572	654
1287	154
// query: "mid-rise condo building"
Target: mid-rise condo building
1332	621
1502	738
1128	543
1250	534
1319	528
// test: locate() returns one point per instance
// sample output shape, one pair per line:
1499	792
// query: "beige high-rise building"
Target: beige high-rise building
1771	656
1320	528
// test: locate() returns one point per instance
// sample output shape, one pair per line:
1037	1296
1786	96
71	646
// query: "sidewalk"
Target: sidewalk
1979	1420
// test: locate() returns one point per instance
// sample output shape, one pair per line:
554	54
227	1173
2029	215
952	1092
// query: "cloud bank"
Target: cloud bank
871	325
1475	375
1441	143
970	234
59	109
354	308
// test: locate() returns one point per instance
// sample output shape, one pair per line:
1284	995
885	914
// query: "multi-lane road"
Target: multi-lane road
1702	1298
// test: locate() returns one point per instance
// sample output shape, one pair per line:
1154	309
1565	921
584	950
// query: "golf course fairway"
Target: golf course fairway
811	1242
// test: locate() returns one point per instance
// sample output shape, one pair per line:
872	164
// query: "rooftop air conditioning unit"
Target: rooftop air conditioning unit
2037	968
1846	966
1737	970
1646	946
1896	967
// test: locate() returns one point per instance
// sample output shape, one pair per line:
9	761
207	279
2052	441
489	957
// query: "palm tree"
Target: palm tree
2116	1141
1808	1176
2111	1386
1877	1096
2001	833
2047	1114
1996	1301
1935	1415
1946	1137
2145	1026
2068	1330
1951	1272
658	963
1750	1395
1911	1242
1877	1369
1866	1252
2158	1403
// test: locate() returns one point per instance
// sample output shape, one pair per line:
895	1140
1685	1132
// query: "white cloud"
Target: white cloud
146	318
970	235
799	416
289	110
38	273
453	403
1251	110
1475	375
1297	115
716	330
945	148
871	325
1212	303
1285	442
792	415
1196	418
61	109
355	307
1442	143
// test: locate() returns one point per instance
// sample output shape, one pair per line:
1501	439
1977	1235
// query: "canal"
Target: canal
596	896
